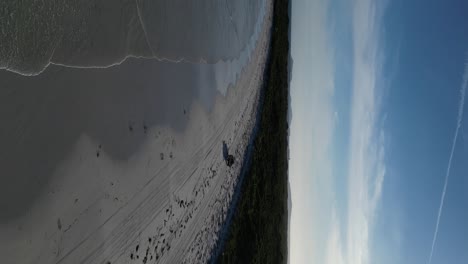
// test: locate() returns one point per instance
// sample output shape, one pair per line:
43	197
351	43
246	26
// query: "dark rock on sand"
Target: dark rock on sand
230	160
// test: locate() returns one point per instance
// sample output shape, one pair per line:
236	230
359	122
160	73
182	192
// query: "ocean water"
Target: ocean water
101	33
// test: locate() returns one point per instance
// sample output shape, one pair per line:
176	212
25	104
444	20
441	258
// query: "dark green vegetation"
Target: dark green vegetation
258	232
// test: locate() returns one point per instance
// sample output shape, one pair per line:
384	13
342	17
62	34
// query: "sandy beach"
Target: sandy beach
119	160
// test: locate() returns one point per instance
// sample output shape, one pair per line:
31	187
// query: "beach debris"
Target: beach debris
228	158
161	155
59	224
145	128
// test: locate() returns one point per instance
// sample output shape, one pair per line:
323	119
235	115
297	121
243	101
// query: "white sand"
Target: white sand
168	198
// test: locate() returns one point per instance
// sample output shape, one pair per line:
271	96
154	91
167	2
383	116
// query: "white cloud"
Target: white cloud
366	167
312	125
318	234
334	252
366	153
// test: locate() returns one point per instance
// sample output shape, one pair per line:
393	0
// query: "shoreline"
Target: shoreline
80	35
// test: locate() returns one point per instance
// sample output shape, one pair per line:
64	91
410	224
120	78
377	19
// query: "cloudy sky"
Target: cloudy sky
379	137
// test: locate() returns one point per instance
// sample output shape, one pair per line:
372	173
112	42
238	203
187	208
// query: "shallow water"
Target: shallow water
100	33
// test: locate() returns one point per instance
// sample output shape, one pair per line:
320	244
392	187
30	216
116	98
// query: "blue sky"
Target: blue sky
376	97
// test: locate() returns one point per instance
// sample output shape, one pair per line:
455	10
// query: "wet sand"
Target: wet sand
124	162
